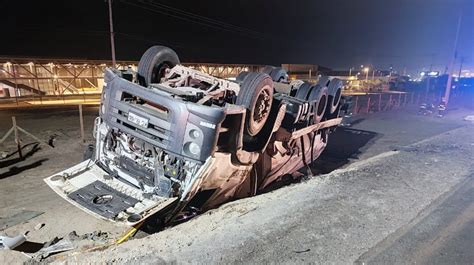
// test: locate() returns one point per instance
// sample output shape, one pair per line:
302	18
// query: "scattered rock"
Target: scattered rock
73	236
94	236
39	226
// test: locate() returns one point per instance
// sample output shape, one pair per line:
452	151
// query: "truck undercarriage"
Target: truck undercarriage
171	140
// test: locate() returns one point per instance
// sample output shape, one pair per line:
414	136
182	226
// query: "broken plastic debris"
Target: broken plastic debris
59	246
11	242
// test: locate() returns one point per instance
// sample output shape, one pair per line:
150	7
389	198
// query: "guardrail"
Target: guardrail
364	103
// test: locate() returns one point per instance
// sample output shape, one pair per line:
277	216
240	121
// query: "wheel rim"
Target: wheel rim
160	72
261	109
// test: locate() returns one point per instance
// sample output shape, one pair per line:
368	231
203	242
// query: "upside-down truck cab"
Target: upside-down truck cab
171	141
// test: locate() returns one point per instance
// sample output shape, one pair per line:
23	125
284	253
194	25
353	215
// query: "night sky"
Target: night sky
337	33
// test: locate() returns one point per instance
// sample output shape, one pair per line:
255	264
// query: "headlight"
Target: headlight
194	134
192	148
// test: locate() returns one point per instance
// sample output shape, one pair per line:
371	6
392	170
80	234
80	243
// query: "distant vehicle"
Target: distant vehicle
172	141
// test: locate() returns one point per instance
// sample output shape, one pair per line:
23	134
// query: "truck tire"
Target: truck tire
294	86
324	81
241	76
267	69
153	64
319	98
334	95
256	94
303	91
279	74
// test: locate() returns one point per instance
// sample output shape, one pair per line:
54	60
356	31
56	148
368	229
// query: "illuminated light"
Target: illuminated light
55	76
366	69
422	73
30	63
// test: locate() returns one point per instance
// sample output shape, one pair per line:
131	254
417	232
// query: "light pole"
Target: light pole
451	67
112	42
366	70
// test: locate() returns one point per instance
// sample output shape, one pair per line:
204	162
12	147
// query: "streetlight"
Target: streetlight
366	70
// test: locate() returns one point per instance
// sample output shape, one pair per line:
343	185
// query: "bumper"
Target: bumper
89	187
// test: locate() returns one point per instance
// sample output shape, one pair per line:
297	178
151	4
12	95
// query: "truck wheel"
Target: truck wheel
279	74
319	98
334	95
153	64
295	85
267	69
303	91
256	94
241	76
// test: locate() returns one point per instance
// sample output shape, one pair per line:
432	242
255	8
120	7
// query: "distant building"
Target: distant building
307	72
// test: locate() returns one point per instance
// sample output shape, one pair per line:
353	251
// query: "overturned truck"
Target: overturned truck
172	141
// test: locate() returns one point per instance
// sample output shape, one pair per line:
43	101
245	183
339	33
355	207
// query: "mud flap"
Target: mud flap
90	188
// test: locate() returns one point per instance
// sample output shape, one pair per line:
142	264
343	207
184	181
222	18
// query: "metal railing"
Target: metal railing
32	79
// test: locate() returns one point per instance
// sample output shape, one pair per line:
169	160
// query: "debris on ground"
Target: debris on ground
52	247
94	236
7	242
469	118
39	226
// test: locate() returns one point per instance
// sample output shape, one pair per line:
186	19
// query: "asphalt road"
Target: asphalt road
442	234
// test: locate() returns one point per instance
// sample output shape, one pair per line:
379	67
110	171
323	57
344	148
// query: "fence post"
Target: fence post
380	102
356	105
399	99
368	104
17	137
411	100
81	121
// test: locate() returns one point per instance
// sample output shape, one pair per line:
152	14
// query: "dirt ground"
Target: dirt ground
376	178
